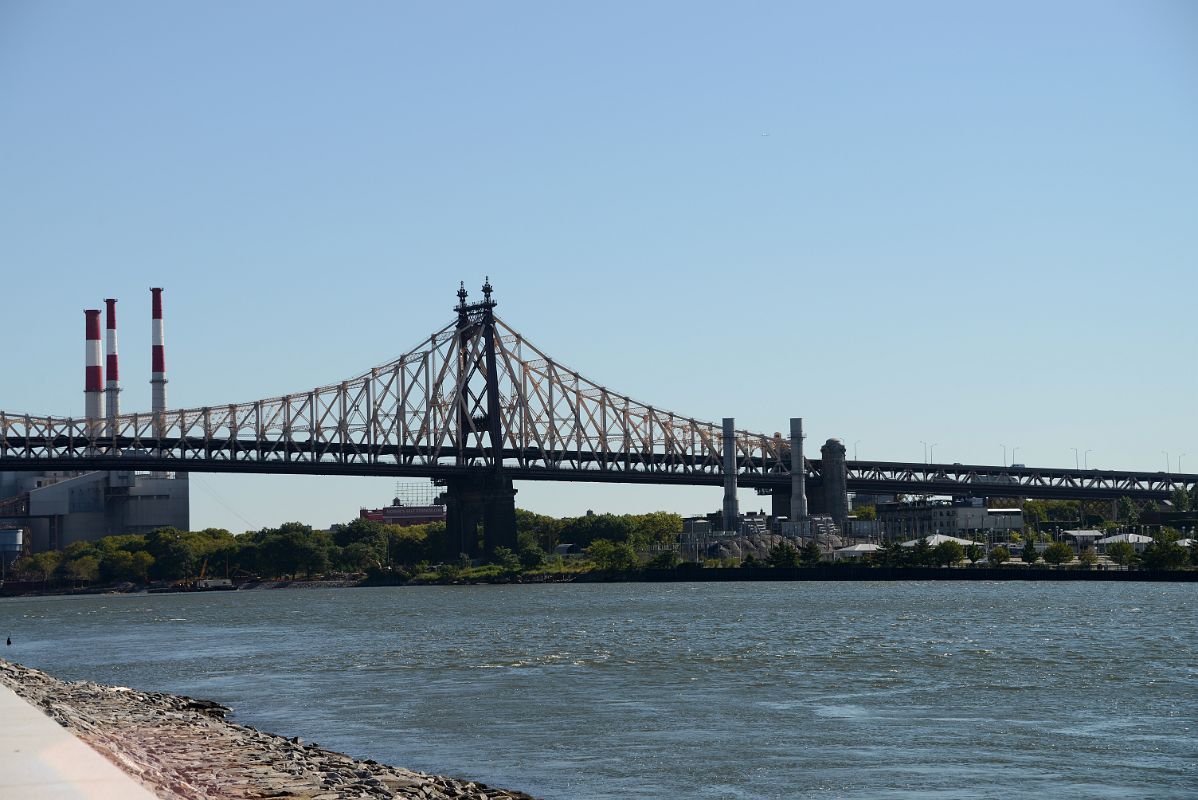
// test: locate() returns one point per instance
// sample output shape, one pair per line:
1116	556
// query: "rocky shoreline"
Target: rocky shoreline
185	749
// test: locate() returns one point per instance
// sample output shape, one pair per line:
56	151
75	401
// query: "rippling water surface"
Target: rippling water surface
853	690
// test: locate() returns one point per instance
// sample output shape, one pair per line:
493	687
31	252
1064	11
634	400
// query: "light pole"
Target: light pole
1076	462
1168	460
932	452
925	450
1086	458
855	449
1004	454
1179	463
1014	450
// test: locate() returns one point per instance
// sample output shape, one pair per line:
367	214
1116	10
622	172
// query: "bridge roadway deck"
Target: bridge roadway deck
872	477
41	759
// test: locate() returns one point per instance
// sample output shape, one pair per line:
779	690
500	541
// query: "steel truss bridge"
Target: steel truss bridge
477	398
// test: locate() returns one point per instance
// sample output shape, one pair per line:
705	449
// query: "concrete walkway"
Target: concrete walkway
41	760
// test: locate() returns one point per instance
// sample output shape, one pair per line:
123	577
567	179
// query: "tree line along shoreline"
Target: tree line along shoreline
605	546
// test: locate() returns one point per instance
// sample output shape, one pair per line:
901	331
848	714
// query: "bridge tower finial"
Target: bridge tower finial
461	294
487	289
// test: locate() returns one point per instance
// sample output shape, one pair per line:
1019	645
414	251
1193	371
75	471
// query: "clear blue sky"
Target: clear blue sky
982	217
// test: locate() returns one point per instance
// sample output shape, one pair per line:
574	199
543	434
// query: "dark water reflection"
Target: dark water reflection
853	690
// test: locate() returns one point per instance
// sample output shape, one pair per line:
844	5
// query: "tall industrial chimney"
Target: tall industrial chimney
112	385
158	364
731	508
93	371
798	472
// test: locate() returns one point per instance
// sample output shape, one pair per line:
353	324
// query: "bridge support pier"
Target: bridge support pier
487	499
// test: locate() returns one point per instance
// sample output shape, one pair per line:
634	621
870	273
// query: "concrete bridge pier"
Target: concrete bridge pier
487	500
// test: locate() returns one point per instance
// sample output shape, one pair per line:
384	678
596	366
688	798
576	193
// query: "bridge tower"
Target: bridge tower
484	496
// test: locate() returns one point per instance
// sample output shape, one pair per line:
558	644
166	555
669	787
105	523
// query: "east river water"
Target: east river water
709	690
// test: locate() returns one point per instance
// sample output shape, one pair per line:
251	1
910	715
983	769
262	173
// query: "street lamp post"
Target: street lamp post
1168	460
1077	464
932	452
855	449
1179	463
1014	450
1004	454
925	450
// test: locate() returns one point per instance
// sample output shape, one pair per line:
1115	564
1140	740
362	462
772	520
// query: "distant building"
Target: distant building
865	500
415	503
399	514
926	518
58	508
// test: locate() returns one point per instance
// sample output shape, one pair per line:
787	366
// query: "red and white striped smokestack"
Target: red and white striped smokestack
112	378
93	371
158	359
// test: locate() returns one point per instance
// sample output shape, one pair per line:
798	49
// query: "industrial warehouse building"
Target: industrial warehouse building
57	508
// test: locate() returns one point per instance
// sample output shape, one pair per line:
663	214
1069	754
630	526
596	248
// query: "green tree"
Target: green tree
1164	553
175	554
506	559
810	554
892	554
946	554
538	529
359	557
783	554
532	556
1122	553
39	566
654	529
121	565
751	561
1087	558
1029	554
293	548
409	544
974	553
865	512
85	569
1127	511
998	556
612	556
1181	499
1058	553
920	554
666	559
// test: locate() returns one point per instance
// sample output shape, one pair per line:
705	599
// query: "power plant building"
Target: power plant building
55	509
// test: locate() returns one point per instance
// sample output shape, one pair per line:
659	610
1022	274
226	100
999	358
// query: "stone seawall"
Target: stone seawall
184	749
